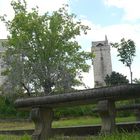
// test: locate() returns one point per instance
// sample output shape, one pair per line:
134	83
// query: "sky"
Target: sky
115	18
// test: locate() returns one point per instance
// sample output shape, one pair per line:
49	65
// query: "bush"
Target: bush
74	111
124	113
7	109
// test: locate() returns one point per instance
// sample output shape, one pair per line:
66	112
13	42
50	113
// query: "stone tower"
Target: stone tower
102	62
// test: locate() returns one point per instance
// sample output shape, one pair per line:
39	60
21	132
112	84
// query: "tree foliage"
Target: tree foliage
116	79
42	52
136	81
126	52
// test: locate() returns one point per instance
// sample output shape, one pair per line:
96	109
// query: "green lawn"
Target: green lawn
86	121
60	123
10	137
117	136
69	122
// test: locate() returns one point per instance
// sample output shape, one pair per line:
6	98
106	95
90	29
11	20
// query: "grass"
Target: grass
116	136
16	125
69	122
60	123
12	137
126	119
87	121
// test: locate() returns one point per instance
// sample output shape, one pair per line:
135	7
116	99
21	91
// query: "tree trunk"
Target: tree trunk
130	74
107	113
42	118
48	87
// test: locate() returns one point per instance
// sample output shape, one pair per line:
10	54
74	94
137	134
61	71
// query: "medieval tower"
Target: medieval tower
102	62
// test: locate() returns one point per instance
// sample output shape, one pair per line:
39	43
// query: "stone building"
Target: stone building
2	65
102	62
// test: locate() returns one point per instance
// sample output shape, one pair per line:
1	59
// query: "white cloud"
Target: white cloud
3	31
114	32
88	78
130	7
47	5
44	5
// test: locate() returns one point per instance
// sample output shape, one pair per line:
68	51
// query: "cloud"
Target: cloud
5	8
47	5
3	31
114	32
44	5
130	7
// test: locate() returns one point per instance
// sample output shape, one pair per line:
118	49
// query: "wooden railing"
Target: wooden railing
42	107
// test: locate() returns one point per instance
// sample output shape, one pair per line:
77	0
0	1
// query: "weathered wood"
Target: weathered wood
42	117
82	97
107	113
107	96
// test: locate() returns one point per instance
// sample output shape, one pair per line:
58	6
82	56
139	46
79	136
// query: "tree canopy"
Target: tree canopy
116	79
136	81
42	52
126	51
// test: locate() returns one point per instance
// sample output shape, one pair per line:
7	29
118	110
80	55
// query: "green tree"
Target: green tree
126	50
136	81
42	52
116	79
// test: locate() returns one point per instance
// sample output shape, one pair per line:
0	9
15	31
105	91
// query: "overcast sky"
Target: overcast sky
114	18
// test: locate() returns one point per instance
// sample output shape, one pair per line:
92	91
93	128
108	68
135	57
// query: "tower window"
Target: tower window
99	45
101	58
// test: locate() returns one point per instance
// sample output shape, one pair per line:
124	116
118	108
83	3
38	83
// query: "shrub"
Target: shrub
74	111
7	109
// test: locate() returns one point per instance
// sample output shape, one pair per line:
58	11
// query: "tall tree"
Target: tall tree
116	79
126	52
42	52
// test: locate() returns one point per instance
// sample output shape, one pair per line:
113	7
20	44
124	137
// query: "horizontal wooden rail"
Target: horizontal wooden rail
82	97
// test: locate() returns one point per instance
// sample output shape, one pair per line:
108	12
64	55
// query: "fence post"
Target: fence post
42	117
107	113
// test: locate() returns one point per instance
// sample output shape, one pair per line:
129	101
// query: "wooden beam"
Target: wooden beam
82	97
